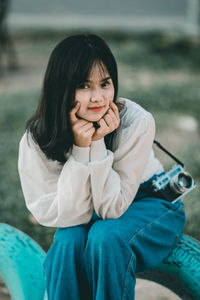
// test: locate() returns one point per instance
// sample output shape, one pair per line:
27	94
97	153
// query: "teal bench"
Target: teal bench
21	267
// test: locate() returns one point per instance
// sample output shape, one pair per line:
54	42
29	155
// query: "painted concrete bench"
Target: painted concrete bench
22	271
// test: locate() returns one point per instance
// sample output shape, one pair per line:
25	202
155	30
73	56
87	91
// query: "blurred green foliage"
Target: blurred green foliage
16	108
166	94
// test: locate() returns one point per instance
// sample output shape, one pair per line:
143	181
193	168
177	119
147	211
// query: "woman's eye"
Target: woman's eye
106	83
82	86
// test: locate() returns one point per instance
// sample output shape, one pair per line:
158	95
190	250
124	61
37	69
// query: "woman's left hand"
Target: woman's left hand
108	123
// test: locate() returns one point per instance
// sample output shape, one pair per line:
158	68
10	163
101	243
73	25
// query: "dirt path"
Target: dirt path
145	290
21	79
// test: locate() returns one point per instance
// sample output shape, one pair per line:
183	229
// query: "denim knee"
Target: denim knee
101	233
73	236
104	238
68	242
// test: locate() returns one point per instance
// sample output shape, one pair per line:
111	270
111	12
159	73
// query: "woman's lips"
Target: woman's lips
96	109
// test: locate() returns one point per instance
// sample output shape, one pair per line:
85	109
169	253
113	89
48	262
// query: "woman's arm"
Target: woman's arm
115	178
57	195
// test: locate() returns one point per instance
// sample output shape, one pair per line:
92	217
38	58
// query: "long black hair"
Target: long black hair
69	65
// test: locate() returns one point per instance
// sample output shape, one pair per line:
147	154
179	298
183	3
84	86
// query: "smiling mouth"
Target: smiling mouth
96	108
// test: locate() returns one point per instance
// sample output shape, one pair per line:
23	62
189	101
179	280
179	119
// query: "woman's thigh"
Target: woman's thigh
71	234
150	226
68	242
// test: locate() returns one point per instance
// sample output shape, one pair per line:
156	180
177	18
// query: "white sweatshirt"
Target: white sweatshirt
93	178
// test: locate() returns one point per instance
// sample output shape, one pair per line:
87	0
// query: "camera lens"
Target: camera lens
185	180
181	183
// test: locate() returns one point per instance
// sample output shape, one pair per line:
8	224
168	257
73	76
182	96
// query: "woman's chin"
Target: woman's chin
95	118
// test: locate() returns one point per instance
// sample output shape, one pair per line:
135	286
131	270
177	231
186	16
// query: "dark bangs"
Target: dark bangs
90	53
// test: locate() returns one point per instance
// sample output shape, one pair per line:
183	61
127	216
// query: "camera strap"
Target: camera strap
168	153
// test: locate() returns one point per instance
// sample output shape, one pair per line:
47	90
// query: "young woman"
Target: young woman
86	166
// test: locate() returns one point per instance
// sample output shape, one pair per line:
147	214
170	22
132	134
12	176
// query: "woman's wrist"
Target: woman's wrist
98	150
81	154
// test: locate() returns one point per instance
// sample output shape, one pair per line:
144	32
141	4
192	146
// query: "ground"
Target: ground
145	290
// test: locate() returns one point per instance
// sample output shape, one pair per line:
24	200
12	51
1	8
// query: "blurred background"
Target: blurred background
157	46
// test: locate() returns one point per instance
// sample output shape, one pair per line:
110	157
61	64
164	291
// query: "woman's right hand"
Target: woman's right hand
82	129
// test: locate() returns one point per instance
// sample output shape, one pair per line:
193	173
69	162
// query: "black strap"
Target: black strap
166	151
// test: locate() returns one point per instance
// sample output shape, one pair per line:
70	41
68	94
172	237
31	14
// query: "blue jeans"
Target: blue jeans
99	260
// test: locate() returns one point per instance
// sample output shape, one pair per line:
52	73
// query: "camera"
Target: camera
174	184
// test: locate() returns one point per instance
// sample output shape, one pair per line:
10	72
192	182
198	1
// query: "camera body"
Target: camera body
174	184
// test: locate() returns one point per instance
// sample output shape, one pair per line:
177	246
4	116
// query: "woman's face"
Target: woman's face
95	95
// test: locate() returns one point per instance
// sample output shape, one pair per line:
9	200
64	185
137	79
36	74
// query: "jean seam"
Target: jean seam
170	210
147	225
126	275
132	239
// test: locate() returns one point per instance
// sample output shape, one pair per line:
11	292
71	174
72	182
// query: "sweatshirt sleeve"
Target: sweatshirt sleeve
57	195
115	177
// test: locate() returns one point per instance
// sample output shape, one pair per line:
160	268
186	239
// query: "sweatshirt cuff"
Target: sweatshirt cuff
81	154
98	150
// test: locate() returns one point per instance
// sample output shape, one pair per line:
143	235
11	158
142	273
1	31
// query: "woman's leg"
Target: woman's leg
138	240
64	265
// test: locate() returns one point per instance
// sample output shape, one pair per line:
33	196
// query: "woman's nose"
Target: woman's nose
96	95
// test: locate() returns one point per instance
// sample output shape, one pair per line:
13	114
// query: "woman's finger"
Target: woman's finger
111	119
91	130
72	114
87	126
115	109
103	129
112	114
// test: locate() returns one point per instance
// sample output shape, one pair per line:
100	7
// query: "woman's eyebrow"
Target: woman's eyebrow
104	79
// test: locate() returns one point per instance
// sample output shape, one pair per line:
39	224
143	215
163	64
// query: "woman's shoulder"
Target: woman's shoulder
28	144
135	122
132	112
27	140
30	153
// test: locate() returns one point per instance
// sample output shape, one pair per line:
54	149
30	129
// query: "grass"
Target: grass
160	72
16	109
